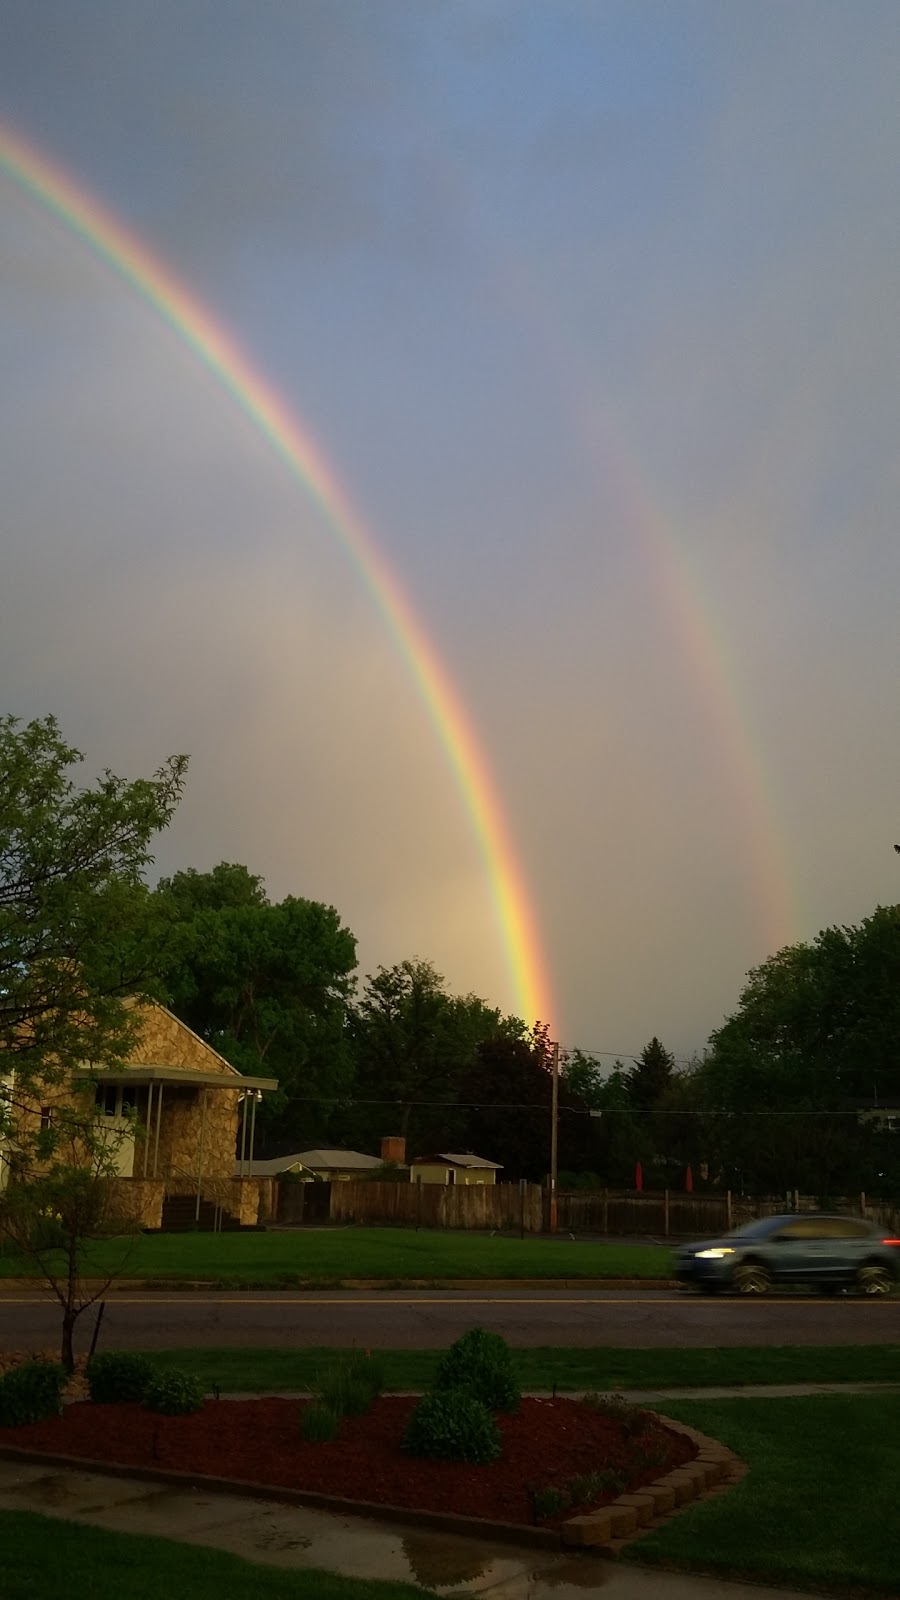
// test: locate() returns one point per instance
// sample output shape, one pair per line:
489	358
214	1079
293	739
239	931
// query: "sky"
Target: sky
591	309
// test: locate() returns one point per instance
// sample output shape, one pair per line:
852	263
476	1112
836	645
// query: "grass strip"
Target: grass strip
326	1256
279	1370
41	1555
816	1508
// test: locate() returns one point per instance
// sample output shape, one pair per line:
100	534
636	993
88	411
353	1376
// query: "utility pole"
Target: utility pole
554	1136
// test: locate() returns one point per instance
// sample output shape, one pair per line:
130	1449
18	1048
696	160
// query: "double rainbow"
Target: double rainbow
217	350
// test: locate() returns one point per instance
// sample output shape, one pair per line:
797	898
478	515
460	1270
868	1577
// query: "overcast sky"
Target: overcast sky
593	308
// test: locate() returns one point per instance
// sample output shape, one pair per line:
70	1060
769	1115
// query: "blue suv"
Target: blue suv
827	1253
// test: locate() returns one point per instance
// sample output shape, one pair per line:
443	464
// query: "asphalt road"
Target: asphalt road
428	1319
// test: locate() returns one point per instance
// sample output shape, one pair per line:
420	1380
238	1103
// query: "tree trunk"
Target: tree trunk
67	1352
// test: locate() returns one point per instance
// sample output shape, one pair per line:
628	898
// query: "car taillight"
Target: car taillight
891	1241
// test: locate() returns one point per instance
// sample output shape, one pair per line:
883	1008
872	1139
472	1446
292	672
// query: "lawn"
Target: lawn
47	1559
326	1257
281	1371
817	1506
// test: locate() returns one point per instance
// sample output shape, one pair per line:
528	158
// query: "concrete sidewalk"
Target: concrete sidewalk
298	1537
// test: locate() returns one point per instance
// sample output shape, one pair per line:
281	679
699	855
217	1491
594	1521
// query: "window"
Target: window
46	1117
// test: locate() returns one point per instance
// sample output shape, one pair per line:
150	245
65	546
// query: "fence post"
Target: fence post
523	1187
666	1215
606	1211
728	1210
862	1202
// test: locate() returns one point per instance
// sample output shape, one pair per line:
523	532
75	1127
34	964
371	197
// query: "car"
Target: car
825	1252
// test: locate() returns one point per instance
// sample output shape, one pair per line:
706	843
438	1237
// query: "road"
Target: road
429	1319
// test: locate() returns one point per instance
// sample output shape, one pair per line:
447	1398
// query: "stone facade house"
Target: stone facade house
177	1112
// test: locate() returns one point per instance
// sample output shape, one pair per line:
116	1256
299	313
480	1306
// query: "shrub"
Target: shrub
350	1387
631	1418
549	1502
118	1375
318	1422
174	1394
31	1392
452	1425
481	1362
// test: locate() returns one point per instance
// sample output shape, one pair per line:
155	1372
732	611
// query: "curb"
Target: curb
387	1285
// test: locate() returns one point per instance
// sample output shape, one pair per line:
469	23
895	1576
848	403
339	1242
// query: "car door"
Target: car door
799	1251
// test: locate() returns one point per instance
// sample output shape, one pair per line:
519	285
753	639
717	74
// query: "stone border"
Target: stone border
714	1469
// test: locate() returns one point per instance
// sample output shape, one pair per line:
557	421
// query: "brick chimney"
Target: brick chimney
393	1148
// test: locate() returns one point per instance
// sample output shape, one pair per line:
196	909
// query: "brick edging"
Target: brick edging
714	1469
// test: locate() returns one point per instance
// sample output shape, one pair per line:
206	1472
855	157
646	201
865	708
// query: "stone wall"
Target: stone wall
136	1202
244	1203
166	1042
192	1139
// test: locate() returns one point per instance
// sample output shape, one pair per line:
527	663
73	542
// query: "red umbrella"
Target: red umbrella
689	1181
638	1175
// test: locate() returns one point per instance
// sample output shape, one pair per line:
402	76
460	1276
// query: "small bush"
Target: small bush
481	1362
452	1425
631	1418
118	1375
350	1387
586	1487
174	1394
549	1502
318	1422
31	1392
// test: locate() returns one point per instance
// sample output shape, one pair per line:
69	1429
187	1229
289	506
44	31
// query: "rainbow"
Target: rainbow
116	246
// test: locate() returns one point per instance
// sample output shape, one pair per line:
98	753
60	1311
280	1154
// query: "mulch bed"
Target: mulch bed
546	1443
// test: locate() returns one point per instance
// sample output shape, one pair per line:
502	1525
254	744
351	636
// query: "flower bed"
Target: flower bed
546	1445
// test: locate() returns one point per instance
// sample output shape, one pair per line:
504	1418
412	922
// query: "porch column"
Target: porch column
149	1122
256	1097
200	1150
244	1132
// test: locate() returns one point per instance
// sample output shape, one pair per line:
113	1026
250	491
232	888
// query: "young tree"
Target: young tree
77	941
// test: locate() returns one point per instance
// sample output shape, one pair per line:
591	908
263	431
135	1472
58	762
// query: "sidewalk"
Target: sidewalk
297	1537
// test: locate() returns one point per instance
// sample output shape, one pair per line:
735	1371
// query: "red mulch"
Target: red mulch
545	1443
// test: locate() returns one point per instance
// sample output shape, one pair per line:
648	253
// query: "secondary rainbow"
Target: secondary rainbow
83	215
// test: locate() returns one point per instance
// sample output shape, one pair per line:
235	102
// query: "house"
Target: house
454	1168
309	1165
174	1111
884	1115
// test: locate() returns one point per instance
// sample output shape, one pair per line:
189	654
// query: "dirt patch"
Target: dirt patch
546	1444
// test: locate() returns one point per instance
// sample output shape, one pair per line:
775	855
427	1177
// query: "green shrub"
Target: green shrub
631	1418
118	1375
585	1487
549	1502
31	1392
452	1425
318	1422
351	1386
481	1362
174	1394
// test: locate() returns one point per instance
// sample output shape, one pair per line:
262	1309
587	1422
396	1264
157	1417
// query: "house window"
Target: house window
46	1117
451	1175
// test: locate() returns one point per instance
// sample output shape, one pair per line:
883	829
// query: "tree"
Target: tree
265	984
650	1077
77	940
412	1042
814	1035
508	1094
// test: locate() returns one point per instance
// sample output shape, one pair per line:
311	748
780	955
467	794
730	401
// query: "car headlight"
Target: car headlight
714	1255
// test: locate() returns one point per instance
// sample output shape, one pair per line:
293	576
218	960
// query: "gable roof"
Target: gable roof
466	1159
315	1161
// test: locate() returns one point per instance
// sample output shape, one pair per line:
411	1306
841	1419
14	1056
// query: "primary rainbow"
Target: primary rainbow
84	216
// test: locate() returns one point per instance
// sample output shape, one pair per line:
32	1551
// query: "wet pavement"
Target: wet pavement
299	1537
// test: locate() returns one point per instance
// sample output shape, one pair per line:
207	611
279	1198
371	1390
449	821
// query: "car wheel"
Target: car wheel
873	1278
751	1278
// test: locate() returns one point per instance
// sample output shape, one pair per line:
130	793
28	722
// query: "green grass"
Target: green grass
273	1371
323	1258
47	1559
817	1506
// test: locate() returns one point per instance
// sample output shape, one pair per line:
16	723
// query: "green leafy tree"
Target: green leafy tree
267	985
77	939
412	1044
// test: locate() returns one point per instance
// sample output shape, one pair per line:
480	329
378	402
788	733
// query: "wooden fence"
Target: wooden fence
525	1208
